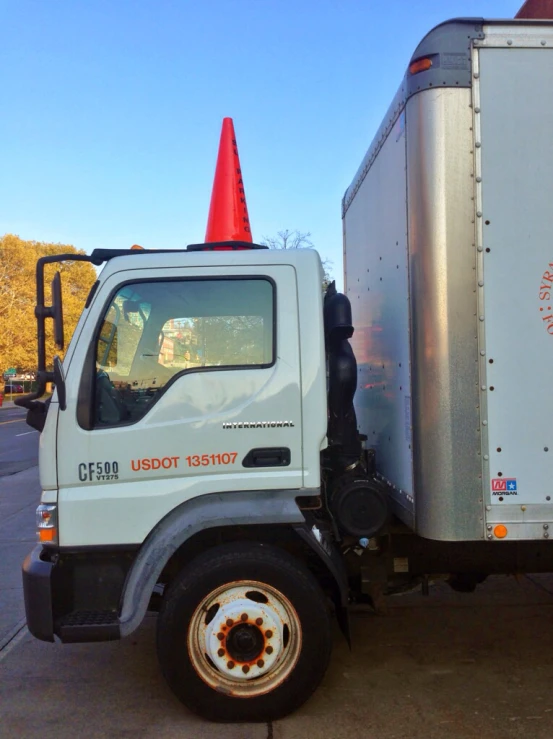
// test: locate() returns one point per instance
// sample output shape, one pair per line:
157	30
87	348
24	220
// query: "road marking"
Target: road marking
16	636
26	433
16	420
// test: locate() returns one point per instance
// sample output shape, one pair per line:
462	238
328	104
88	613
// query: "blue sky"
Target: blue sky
112	110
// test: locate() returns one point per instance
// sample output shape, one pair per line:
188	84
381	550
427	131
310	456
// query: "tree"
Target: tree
298	240
18	258
289	240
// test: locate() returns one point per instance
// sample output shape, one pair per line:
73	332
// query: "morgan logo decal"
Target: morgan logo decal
504	486
259	425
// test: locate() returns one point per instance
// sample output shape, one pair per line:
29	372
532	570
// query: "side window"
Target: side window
152	331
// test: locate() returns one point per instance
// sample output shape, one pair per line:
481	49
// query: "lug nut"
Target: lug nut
220	636
244	617
221	652
259	621
268	634
260	663
230	622
230	665
245	669
269	650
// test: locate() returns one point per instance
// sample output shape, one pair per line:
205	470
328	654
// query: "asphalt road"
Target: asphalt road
19	496
451	665
18	442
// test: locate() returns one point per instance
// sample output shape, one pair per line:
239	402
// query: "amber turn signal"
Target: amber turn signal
420	65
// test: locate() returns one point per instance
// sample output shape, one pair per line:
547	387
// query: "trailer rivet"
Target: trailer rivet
509	42
482	353
490	536
480	248
476	75
479	214
522	507
480	283
486	457
477	110
546	535
489	527
481	318
484	423
488	507
478	179
546	526
478	144
543	42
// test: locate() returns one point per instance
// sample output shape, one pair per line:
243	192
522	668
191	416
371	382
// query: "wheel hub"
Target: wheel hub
244	640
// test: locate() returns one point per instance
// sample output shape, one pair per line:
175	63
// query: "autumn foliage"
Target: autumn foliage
18	258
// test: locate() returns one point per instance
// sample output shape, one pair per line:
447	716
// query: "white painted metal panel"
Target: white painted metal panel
376	275
516	125
187	420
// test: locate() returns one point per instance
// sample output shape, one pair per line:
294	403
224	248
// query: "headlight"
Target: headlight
47	523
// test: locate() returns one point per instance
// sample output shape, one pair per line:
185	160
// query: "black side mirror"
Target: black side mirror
57	311
59	382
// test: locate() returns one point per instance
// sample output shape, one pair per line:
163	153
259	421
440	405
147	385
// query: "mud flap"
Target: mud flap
331	557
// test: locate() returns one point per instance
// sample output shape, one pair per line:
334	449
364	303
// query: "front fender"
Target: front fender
256	507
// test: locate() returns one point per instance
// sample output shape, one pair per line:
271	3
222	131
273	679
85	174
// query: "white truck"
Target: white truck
204	451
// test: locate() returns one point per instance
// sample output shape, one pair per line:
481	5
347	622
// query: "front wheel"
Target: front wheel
244	633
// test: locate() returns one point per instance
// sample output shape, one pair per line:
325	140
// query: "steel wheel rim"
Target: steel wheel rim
238	656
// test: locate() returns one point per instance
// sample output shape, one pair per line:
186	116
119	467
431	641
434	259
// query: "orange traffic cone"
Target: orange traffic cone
228	213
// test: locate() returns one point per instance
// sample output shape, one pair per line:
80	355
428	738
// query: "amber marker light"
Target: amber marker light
420	65
137	247
500	531
47	535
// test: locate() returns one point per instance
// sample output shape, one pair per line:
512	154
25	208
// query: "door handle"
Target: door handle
267	457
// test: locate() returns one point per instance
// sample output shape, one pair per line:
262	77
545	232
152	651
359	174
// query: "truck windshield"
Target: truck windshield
154	331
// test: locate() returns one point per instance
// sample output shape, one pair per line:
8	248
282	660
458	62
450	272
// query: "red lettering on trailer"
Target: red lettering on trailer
546	285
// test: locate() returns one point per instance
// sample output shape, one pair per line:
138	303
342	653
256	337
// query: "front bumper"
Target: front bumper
37	591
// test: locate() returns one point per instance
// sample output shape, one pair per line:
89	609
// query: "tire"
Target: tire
243	634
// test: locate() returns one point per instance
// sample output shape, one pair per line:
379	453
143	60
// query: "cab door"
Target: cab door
181	385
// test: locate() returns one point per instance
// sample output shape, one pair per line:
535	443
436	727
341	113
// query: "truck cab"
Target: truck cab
187	376
204	408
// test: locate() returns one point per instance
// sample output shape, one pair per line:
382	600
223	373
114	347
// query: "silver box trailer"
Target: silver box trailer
448	233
